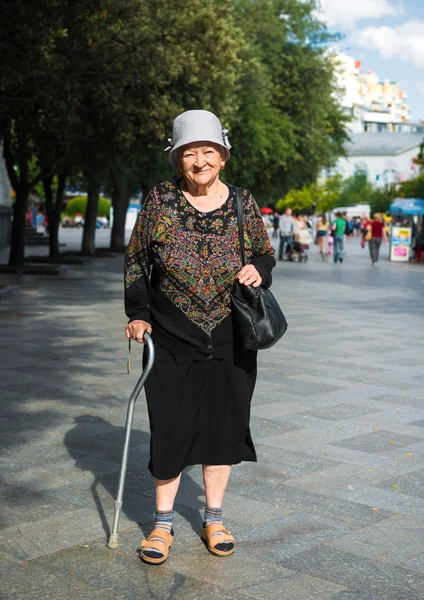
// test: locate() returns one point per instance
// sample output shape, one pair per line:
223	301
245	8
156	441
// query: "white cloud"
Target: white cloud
348	12
404	42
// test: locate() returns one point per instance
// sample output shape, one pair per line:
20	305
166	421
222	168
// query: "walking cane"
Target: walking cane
113	538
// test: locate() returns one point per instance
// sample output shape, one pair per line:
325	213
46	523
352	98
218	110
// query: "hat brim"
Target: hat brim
173	153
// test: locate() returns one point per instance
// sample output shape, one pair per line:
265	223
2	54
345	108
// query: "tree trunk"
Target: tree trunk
21	185
120	201
17	244
89	236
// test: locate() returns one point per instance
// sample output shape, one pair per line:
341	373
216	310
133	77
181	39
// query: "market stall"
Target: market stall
407	230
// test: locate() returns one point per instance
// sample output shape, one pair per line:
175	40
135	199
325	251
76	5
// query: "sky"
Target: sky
387	36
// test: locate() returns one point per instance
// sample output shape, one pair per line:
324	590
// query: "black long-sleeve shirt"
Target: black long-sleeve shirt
195	258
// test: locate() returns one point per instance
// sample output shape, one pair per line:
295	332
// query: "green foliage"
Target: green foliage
356	190
289	124
315	197
413	188
78	206
302	201
381	200
102	81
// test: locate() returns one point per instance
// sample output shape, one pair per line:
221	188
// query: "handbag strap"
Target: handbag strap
240	220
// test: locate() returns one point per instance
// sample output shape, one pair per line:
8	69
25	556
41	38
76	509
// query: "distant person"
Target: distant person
322	230
33	206
377	229
357	226
339	227
275	224
349	230
286	227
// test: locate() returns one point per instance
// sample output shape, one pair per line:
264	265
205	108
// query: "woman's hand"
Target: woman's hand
249	275
136	330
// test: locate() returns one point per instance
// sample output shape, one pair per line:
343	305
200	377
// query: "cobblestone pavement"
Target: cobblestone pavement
333	510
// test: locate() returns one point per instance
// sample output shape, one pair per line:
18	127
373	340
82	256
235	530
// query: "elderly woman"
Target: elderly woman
200	388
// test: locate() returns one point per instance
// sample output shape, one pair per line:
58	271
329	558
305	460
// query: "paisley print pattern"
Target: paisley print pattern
195	255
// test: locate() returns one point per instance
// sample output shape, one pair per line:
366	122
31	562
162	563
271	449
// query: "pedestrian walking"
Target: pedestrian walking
286	232
322	230
200	388
330	243
275	225
339	227
377	234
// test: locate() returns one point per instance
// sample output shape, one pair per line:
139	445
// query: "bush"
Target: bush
413	188
381	200
78	205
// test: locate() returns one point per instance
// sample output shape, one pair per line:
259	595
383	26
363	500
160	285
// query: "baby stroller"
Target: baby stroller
295	251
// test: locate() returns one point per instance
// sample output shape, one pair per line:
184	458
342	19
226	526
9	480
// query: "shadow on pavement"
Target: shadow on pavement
93	453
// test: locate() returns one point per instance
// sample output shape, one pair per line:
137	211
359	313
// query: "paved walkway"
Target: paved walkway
333	510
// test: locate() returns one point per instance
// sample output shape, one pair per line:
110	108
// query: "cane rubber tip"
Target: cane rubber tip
113	541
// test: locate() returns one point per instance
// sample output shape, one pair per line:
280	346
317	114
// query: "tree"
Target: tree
413	188
150	62
381	200
27	53
316	197
301	201
289	125
356	190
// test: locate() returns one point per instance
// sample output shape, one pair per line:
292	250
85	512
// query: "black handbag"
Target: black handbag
259	318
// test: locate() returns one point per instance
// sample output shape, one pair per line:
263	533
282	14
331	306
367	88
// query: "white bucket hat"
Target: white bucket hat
196	126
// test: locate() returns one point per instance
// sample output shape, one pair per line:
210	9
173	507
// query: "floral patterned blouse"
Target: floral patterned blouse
195	258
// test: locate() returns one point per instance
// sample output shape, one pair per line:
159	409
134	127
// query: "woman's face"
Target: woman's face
201	162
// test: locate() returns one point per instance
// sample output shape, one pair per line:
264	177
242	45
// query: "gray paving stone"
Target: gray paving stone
124	578
383	499
354	595
248	511
234	572
27	580
136	507
47	536
396	540
398	399
20	505
329	481
262	428
354	514
411	483
418	423
294	463
416	564
28	454
386	581
291	586
299	387
249	475
377	442
340	411
322	378
288	535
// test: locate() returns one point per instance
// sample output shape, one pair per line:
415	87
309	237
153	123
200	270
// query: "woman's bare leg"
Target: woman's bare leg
166	490
216	479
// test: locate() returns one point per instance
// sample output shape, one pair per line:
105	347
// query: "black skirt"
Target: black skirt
199	411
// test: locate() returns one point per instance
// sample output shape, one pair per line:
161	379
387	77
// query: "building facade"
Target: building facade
386	158
375	106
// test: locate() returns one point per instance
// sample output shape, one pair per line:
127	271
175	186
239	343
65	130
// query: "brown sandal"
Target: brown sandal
216	534
159	540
